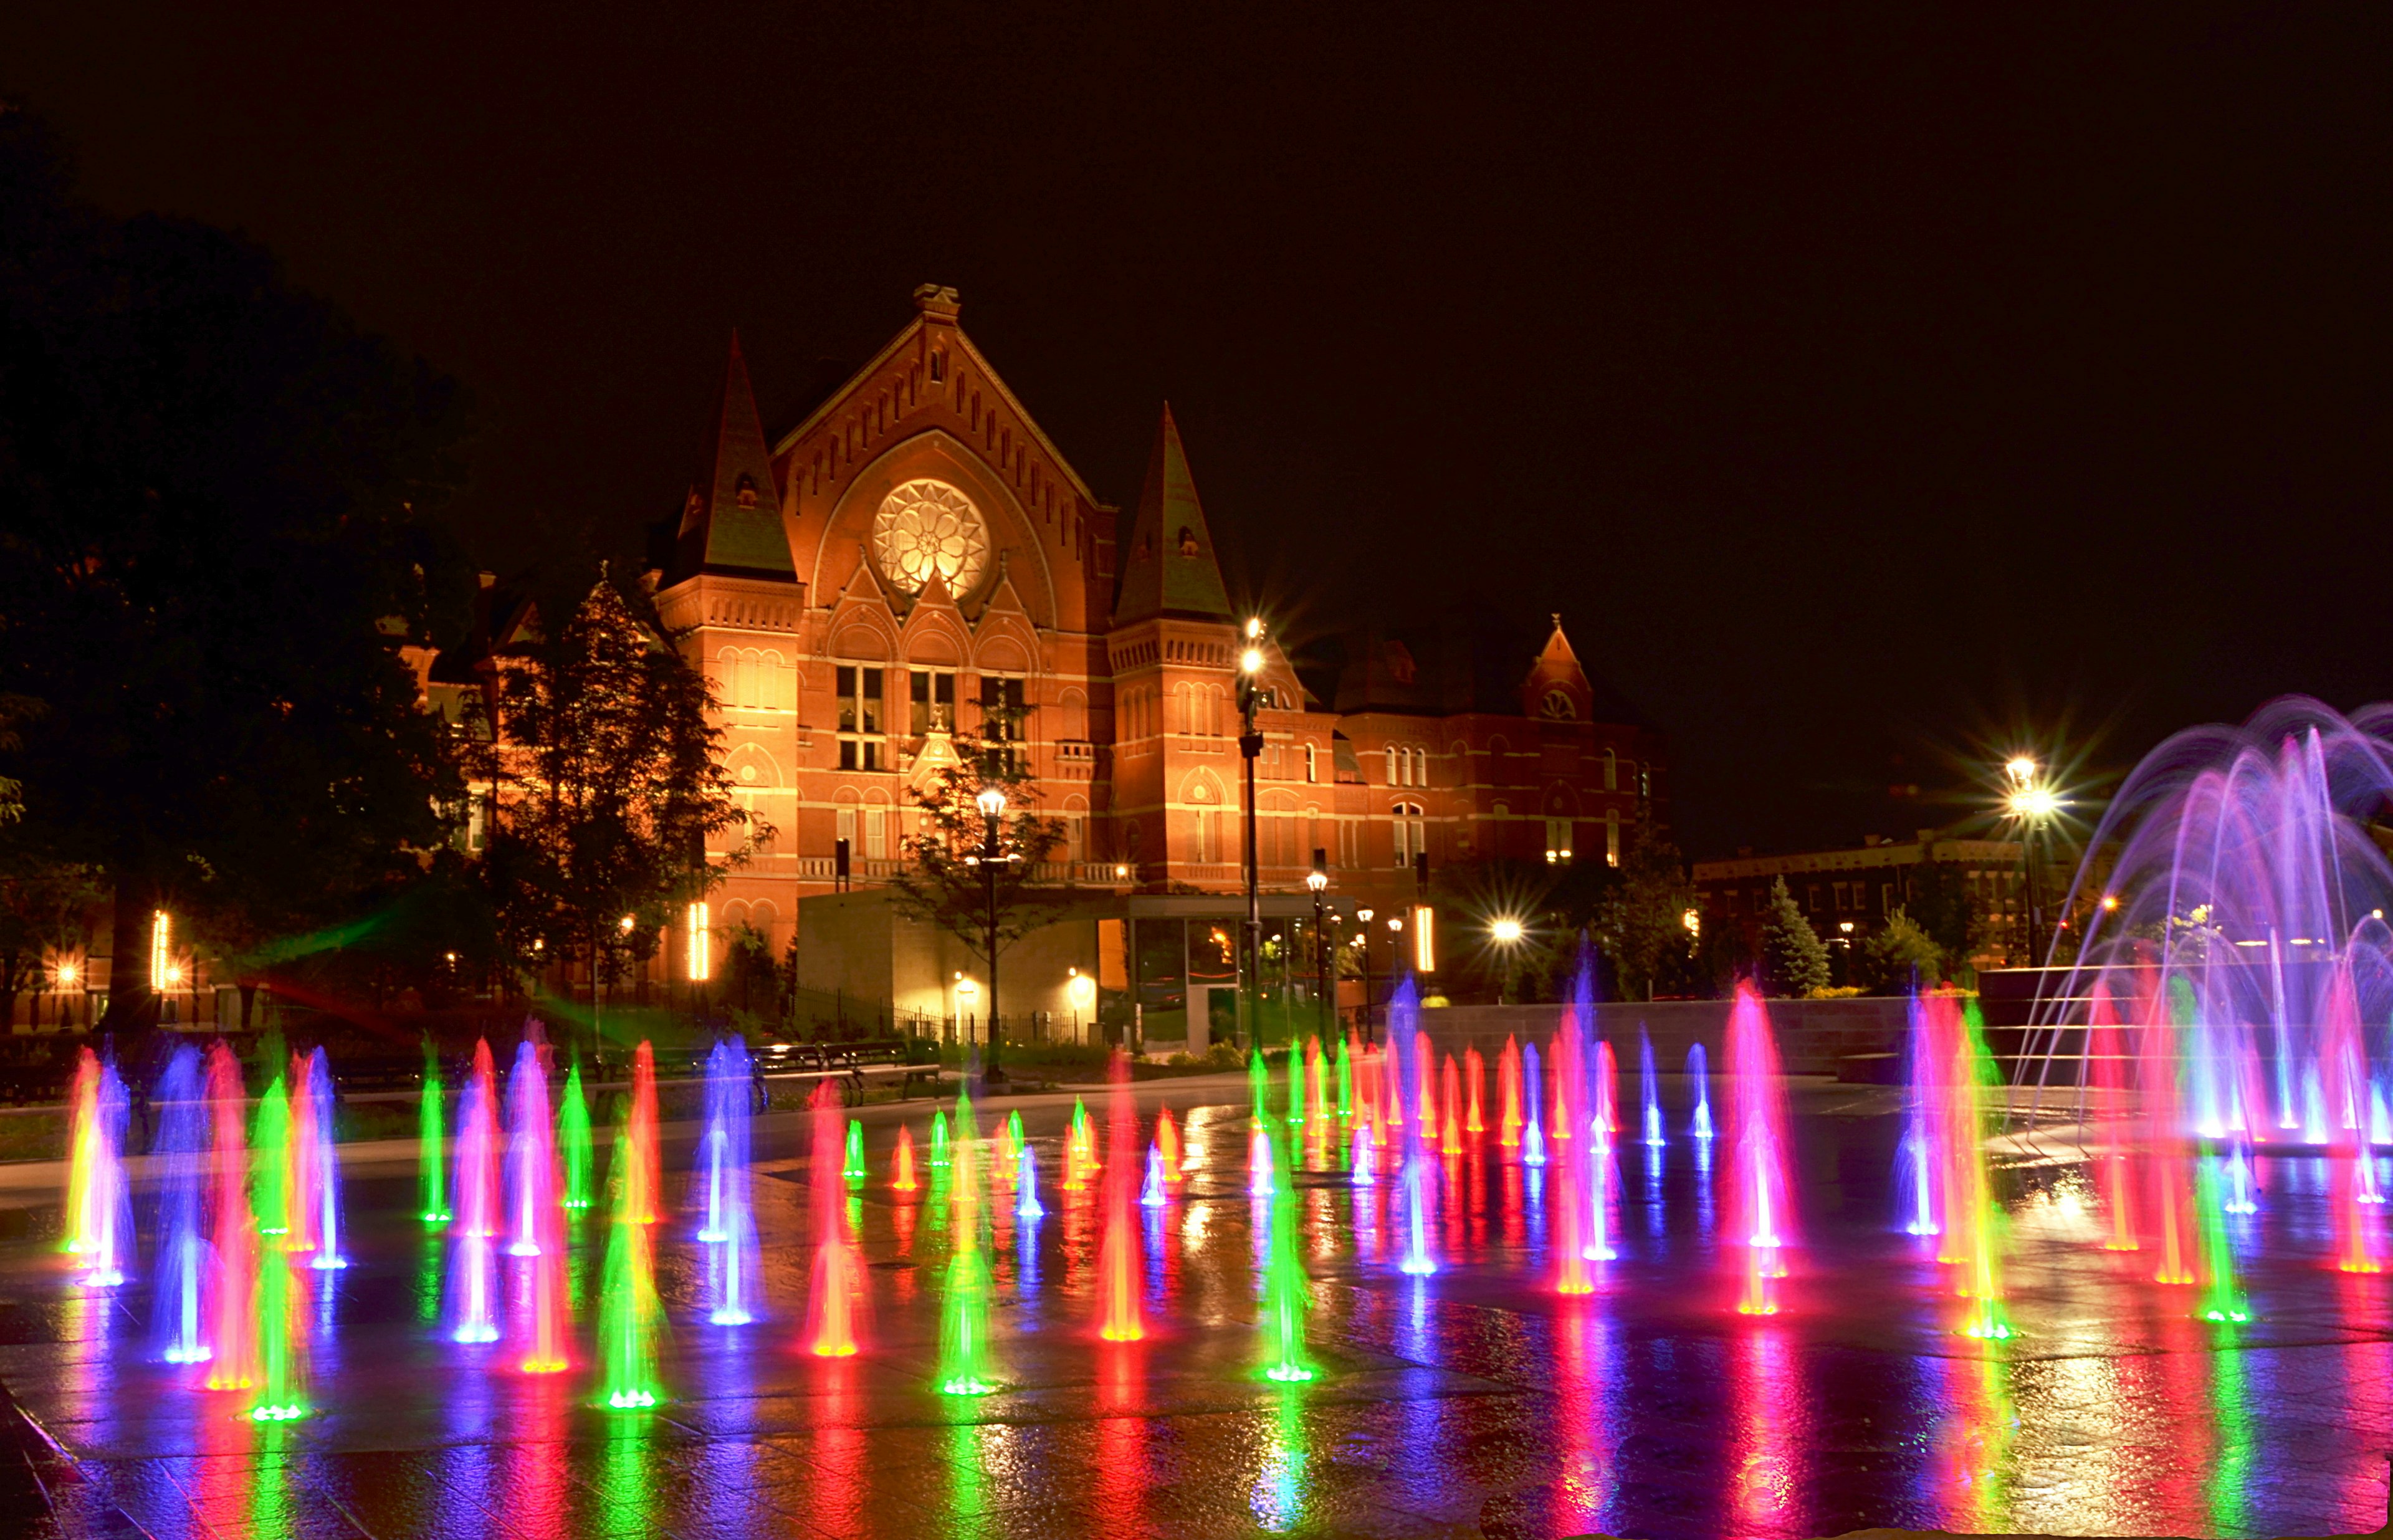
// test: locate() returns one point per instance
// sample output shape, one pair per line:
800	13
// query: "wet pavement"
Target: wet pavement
1473	1402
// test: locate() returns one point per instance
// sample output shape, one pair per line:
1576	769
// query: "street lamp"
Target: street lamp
1363	944
991	855
1319	882
2032	803
1250	748
1507	933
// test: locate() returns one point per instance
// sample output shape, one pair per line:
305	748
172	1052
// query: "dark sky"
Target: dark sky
1871	390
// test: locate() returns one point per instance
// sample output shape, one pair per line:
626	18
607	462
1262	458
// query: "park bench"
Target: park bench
856	1066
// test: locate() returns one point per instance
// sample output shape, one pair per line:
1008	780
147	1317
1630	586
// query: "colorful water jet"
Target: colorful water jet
1760	1204
901	1164
629	1315
472	1285
573	1138
324	1164
178	1332
100	1202
280	1334
1650	1090
966	1365
731	1217
232	1231
1121	1267
539	1313
432	1143
837	1287
1026	1206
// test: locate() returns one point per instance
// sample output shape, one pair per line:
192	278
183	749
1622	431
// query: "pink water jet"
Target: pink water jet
1760	1204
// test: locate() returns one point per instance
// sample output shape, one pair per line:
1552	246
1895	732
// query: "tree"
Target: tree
213	542
1939	902
1641	923
1900	953
945	884
44	909
1794	963
604	791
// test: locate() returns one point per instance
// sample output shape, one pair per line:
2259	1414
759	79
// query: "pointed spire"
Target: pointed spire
1170	569
1555	673
733	520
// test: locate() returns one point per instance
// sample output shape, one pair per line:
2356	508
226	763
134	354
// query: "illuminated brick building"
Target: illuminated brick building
858	588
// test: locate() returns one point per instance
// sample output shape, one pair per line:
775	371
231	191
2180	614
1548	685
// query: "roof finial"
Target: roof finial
1557	619
938	299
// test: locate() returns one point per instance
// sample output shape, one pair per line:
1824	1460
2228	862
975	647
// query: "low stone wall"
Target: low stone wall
1814	1037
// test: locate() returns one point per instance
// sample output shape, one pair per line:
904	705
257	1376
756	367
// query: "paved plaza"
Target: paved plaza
1472	1401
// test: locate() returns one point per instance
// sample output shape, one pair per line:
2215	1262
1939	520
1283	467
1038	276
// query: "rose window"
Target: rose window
926	526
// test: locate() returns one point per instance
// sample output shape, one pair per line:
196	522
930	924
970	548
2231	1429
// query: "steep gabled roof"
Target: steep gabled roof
936	308
1170	569
732	522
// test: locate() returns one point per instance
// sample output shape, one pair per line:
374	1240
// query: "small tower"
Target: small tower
1174	649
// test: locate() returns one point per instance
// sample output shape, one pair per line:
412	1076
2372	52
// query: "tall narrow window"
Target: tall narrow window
859	717
1002	707
1392	765
1312	762
1610	771
1611	837
933	702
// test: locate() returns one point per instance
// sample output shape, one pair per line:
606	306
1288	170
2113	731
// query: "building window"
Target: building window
1558	842
1002	707
1728	901
859	717
1811	898
1611	837
1886	898
1610	771
1412	833
847	828
1312	763
876	834
933	702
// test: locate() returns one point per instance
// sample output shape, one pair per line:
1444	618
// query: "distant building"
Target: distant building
1847	893
915	551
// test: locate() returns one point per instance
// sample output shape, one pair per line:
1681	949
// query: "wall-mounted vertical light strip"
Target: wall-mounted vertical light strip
1424	939
699	961
161	932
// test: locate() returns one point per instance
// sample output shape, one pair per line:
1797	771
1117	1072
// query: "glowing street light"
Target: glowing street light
1507	933
1250	748
993	854
2030	803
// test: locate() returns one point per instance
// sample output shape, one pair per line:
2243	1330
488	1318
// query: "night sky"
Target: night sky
1871	391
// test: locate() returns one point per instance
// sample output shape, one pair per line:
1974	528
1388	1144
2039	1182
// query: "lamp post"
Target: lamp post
1363	944
2030	804
1319	881
991	854
1250	748
1506	934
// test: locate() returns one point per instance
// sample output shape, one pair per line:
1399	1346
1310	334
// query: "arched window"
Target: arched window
1312	763
1610	771
1392	765
1410	830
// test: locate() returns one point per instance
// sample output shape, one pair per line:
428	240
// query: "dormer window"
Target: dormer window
1558	706
1188	540
745	490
